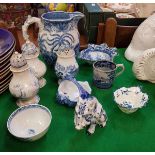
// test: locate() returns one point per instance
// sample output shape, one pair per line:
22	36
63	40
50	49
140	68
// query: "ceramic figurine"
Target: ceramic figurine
130	99
144	66
68	91
98	52
89	112
24	85
58	28
142	40
31	53
104	73
66	64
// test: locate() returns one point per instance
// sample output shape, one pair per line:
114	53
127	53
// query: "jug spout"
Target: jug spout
76	16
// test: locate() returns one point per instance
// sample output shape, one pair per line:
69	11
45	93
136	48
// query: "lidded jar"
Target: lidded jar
66	64
37	67
24	85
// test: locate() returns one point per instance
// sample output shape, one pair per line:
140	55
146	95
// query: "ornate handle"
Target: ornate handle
121	66
30	20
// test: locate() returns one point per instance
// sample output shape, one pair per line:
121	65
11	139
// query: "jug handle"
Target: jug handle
30	20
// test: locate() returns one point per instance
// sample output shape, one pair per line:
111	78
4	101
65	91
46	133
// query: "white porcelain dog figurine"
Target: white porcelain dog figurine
143	39
89	112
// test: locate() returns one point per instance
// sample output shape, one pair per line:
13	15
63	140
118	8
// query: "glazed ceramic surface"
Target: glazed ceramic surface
98	52
58	28
6	41
69	92
130	99
142	40
104	73
66	64
89	112
37	67
30	122
144	66
24	85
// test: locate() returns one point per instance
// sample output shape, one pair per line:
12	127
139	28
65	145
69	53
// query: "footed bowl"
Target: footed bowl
29	123
130	99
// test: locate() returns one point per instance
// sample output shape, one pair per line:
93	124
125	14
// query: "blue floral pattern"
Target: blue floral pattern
63	72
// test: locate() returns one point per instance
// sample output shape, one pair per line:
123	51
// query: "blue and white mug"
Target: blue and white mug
104	73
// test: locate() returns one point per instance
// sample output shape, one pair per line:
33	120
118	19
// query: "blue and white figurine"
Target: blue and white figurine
98	52
66	64
69	91
57	28
89	112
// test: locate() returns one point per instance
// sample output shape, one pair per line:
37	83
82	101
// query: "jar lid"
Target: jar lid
29	50
18	62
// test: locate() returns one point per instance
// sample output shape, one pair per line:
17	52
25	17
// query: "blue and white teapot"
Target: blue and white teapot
56	28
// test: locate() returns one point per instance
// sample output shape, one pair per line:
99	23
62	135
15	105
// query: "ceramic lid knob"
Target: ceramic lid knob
29	49
17	60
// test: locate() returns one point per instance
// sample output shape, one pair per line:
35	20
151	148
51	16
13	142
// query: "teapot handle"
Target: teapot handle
30	20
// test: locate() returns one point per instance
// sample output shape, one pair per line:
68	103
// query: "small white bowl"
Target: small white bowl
30	122
130	99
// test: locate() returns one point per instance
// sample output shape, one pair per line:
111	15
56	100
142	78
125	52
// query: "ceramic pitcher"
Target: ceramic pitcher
66	64
55	29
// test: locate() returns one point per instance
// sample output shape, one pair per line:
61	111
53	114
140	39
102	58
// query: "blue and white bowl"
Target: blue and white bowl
130	99
29	123
98	52
68	92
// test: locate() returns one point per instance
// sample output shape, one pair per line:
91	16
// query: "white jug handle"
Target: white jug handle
30	20
122	70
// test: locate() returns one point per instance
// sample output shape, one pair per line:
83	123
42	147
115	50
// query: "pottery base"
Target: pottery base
127	111
42	82
23	102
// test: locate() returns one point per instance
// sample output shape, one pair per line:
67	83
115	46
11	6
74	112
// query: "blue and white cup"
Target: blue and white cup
104	73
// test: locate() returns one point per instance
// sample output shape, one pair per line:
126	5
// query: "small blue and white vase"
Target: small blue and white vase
70	90
66	64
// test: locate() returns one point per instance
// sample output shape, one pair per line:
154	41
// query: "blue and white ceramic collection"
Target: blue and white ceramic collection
130	99
98	52
58	28
66	64
104	73
69	91
29	123
59	44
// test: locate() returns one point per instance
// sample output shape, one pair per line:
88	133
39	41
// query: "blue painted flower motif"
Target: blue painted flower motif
63	72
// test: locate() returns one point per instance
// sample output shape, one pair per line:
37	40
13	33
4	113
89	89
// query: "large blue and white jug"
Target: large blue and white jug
56	29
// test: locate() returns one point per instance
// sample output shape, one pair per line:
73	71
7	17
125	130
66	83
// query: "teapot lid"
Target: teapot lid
18	62
29	50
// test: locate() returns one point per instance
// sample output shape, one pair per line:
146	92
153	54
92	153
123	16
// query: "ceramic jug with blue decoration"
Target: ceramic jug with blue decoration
56	29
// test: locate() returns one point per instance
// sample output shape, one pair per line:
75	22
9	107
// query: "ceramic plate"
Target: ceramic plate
124	15
98	52
5	67
6	41
29	122
7	55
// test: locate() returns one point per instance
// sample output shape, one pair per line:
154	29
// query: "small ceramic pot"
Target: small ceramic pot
24	85
68	91
37	67
105	73
130	99
29	123
66	64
